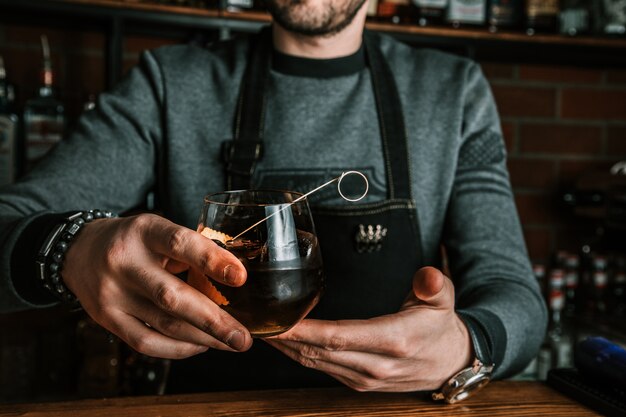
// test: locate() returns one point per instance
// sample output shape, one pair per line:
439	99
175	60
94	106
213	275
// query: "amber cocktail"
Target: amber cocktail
275	240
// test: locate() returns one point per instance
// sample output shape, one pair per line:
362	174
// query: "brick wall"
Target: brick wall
77	57
558	122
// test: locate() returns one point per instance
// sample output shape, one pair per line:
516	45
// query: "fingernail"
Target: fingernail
236	340
202	349
230	275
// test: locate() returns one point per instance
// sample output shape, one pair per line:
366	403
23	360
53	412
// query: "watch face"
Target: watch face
472	386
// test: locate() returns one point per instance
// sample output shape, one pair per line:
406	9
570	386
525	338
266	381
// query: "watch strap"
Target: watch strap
487	323
480	338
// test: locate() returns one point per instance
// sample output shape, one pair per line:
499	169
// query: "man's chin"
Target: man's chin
313	22
312	32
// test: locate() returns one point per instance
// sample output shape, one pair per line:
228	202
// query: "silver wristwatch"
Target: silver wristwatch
470	380
465	383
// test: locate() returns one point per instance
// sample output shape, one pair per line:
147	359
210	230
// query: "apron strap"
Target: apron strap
243	152
390	119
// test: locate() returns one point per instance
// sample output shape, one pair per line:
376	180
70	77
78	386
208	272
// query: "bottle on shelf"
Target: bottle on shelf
431	12
241	5
585	281
600	278
541	16
504	14
539	271
202	4
574	18
467	12
610	17
559	337
571	278
618	288
184	3
8	130
90	102
395	11
548	357
44	115
560	257
372	9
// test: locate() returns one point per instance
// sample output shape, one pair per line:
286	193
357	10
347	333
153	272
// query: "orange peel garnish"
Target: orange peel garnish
214	234
201	282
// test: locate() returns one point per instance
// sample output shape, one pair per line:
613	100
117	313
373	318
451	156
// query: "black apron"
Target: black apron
370	251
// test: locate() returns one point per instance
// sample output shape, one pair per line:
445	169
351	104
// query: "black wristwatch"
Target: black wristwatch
470	380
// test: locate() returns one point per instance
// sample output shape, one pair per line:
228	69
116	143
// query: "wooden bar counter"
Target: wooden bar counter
502	398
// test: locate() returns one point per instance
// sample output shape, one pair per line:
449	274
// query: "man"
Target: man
319	98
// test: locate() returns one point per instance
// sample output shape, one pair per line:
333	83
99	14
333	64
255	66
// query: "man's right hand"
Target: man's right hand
123	273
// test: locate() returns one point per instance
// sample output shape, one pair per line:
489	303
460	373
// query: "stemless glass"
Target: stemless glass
281	255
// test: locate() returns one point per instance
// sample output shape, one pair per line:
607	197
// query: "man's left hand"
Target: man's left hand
418	348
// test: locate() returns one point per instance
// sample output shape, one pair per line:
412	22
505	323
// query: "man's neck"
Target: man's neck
343	43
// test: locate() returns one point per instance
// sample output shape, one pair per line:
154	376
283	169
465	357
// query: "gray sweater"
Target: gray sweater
162	127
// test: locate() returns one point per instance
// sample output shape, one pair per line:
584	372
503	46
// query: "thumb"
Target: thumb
433	288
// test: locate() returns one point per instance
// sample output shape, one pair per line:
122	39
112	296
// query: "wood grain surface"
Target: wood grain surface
503	398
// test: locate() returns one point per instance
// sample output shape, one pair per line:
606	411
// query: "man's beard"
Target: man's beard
299	17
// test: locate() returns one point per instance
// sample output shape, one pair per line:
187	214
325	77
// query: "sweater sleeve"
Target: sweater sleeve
484	241
107	162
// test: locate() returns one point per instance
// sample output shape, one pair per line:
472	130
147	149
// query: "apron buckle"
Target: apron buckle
370	238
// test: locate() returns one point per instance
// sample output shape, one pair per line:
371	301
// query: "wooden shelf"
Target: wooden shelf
130	9
119	18
504	36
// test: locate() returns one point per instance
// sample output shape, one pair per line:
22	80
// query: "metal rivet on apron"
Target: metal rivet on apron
370	238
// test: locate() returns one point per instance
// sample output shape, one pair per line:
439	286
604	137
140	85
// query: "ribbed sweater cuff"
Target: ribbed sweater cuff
24	256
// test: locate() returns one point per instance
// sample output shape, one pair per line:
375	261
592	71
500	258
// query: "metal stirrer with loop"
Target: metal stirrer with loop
302	197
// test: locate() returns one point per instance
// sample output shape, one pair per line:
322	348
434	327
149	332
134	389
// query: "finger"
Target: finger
189	247
179	299
380	335
396	387
310	361
174	267
433	288
150	342
174	327
361	371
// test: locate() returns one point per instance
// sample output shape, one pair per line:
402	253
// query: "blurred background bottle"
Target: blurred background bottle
610	17
571	266
600	279
467	12
372	9
541	16
504	14
44	114
617	303
8	130
574	18
242	5
203	4
183	3
395	11
431	12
